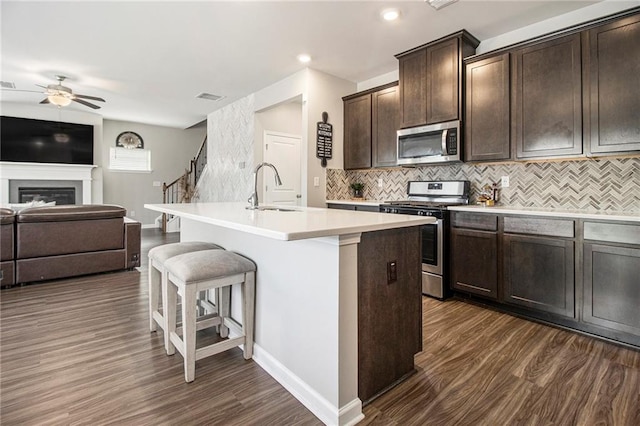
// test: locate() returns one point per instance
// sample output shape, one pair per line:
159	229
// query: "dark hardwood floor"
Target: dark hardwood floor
78	351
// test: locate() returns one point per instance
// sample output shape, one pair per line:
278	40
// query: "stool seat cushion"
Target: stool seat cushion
208	265
164	252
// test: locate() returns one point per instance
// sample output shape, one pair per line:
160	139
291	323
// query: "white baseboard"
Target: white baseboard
329	414
149	225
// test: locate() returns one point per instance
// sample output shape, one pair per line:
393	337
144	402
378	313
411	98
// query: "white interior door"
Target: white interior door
283	151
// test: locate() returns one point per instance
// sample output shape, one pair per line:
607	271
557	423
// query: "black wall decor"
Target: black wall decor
324	144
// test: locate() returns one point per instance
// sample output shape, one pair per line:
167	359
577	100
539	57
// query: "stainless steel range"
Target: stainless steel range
431	198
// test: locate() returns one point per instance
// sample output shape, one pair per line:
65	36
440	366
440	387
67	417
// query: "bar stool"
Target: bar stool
190	273
157	276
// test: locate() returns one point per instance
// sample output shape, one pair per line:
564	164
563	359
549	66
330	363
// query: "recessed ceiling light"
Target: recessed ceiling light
304	58
390	14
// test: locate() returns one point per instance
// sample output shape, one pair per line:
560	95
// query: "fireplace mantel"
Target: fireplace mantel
45	171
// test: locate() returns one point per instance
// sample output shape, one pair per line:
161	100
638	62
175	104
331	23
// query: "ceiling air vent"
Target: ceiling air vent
7	85
209	96
439	4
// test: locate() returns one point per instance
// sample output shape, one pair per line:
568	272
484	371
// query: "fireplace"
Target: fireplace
60	195
44	175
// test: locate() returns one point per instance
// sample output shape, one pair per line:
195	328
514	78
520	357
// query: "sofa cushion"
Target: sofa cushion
37	239
70	213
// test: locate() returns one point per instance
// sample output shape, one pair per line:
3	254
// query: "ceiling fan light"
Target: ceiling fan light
59	100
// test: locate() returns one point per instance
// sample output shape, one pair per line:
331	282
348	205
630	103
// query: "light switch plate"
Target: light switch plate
379	182
316	181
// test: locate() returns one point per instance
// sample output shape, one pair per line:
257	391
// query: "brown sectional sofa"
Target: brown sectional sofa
7	247
65	241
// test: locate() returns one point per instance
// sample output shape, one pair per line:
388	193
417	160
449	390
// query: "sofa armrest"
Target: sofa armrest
132	243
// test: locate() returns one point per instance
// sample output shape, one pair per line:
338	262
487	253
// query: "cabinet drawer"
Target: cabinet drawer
537	226
483	222
612	232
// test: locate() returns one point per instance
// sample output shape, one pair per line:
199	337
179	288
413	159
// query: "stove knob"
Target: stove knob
421	213
394	210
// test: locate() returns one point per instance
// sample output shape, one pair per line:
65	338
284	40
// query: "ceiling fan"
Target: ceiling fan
60	95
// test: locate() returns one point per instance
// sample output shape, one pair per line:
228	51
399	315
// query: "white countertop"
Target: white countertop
305	222
531	211
357	202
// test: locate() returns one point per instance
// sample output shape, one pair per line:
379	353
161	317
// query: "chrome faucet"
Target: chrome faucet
253	199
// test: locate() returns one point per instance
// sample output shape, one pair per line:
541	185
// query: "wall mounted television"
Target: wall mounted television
39	141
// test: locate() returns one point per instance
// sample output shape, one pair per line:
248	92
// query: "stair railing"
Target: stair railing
183	189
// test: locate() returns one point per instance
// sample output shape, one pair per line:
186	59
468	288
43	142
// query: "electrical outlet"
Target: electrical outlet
316	181
504	182
157	183
392	272
379	182
132	213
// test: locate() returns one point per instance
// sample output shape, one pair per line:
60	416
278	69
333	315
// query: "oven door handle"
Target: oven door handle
445	132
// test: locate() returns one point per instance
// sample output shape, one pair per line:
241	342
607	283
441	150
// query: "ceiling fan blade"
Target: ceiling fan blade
45	101
40	85
93	98
85	103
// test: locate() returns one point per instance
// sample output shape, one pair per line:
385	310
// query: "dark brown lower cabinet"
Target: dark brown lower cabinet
474	261
389	308
539	273
612	287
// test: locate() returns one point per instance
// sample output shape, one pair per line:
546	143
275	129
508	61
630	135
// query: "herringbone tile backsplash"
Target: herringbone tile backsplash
587	185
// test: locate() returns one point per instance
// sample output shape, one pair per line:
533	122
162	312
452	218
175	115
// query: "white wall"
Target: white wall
233	144
325	93
379	80
556	23
171	151
48	112
282	118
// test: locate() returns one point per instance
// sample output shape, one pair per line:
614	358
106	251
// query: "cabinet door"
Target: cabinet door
612	287
539	273
614	86
547	98
474	262
357	132
413	89
385	124
487	118
442	81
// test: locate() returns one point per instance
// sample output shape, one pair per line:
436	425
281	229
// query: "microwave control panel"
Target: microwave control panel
452	142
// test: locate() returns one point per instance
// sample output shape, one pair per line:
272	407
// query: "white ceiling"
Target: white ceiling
150	59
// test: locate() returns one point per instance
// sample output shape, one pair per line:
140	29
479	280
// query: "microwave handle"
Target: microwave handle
445	132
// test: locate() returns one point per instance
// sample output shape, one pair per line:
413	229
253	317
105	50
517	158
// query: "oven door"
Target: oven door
432	248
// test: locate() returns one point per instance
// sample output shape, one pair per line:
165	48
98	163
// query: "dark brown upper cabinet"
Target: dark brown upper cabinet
487	118
431	80
547	98
385	123
612	89
357	132
371	120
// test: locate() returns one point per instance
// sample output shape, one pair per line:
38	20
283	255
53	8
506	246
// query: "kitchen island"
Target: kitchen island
314	292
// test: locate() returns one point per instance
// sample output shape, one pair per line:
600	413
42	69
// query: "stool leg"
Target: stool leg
248	312
224	309
170	300
189	333
154	287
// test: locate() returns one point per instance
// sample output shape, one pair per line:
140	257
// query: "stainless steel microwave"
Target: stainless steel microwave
434	143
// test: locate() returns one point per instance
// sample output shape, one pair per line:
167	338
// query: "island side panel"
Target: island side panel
297	313
389	313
